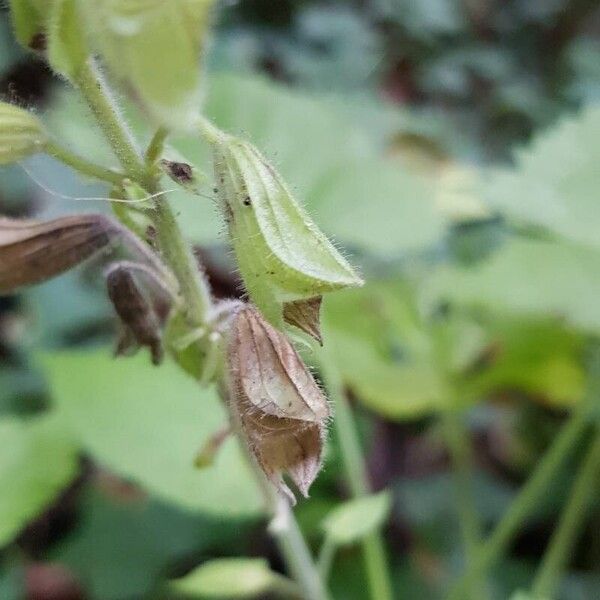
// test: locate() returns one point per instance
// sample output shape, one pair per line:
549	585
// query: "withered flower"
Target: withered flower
280	408
33	251
142	303
305	315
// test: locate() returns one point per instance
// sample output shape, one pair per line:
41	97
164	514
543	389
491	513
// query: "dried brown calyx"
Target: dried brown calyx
278	405
305	315
34	251
143	303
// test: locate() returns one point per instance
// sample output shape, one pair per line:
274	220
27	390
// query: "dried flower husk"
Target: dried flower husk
21	134
281	253
305	315
280	408
142	304
33	251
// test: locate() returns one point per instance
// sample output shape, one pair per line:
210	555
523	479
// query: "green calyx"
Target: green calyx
21	134
282	254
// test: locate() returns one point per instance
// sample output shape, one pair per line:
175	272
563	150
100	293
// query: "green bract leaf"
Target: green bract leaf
37	461
154	48
228	578
21	134
355	519
281	253
147	424
66	46
556	180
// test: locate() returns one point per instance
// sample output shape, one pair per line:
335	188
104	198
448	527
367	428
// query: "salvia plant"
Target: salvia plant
152	51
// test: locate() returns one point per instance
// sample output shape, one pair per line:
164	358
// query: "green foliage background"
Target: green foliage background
452	148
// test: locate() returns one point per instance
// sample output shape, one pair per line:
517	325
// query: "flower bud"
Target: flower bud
154	48
281	253
21	134
281	410
143	308
33	251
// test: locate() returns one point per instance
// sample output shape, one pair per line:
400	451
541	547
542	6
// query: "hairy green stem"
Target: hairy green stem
100	100
156	145
196	295
569	526
82	165
524	503
177	254
292	546
457	439
356	472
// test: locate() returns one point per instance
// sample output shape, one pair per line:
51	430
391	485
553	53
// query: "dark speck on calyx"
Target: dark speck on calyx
247	201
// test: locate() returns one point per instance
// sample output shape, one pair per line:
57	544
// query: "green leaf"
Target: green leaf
228	578
37	461
529	278
123	543
147	424
556	180
393	206
541	358
66	47
355	519
154	48
383	349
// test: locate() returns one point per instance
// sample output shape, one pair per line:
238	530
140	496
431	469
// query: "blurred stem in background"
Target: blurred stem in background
194	287
352	456
493	548
461	453
559	550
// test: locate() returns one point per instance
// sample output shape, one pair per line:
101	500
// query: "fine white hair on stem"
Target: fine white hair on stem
56	194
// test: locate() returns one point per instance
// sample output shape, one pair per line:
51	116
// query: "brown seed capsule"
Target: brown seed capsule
33	251
279	406
142	313
305	315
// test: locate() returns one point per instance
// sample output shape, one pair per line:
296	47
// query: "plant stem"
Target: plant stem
193	286
196	295
326	556
356	472
82	165
564	536
284	527
156	145
457	439
293	548
524	503
109	118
